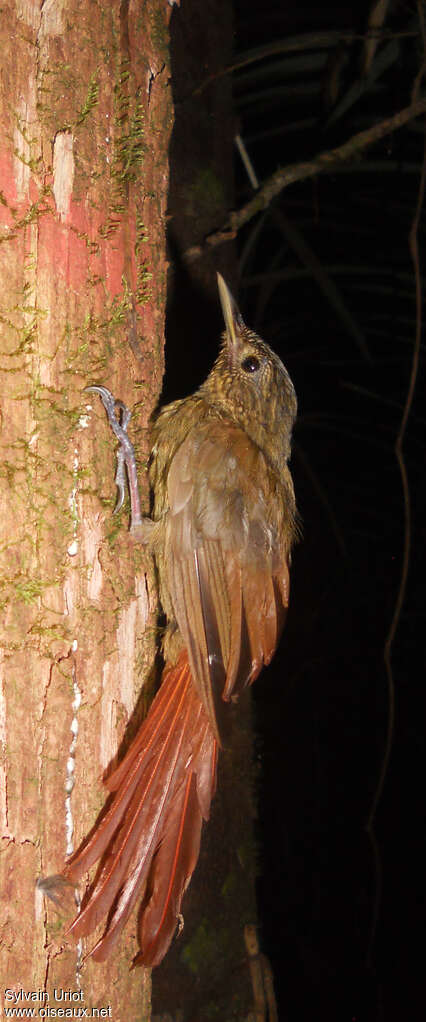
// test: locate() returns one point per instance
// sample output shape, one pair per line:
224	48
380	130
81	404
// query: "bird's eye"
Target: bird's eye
250	364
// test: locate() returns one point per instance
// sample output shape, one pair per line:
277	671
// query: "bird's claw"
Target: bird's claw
110	403
126	451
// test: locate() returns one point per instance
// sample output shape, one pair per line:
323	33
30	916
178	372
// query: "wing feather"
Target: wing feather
227	548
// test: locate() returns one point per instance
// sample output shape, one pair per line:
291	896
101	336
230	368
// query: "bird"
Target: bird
223	525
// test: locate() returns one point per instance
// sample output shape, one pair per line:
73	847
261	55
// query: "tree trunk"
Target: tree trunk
85	124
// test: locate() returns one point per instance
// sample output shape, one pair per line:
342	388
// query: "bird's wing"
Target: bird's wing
228	531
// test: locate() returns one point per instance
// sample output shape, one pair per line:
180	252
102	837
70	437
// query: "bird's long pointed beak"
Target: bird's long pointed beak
231	314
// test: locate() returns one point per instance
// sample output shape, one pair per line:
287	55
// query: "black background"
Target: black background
322	708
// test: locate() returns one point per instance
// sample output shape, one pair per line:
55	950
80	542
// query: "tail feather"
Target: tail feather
129	858
206	773
177	855
136	836
126	777
173	867
150	835
159	712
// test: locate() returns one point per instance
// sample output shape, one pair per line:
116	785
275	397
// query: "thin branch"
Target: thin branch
251	173
286	176
297	44
376	20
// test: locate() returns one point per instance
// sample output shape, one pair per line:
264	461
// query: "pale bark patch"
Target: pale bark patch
52	21
132	620
108	734
63	172
69	595
29	12
24	126
119	673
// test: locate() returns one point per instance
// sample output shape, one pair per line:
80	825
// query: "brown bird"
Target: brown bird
223	524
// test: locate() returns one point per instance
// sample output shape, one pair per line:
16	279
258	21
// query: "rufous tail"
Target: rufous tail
149	837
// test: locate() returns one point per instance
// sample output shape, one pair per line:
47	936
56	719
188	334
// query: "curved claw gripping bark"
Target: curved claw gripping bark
125	453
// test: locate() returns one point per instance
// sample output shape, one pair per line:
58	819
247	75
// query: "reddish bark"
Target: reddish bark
85	121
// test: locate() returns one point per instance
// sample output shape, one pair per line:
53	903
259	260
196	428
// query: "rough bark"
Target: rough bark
85	120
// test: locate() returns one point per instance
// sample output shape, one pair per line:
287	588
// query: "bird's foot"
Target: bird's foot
126	461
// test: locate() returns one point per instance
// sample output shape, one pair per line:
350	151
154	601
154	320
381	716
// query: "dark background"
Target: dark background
341	904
